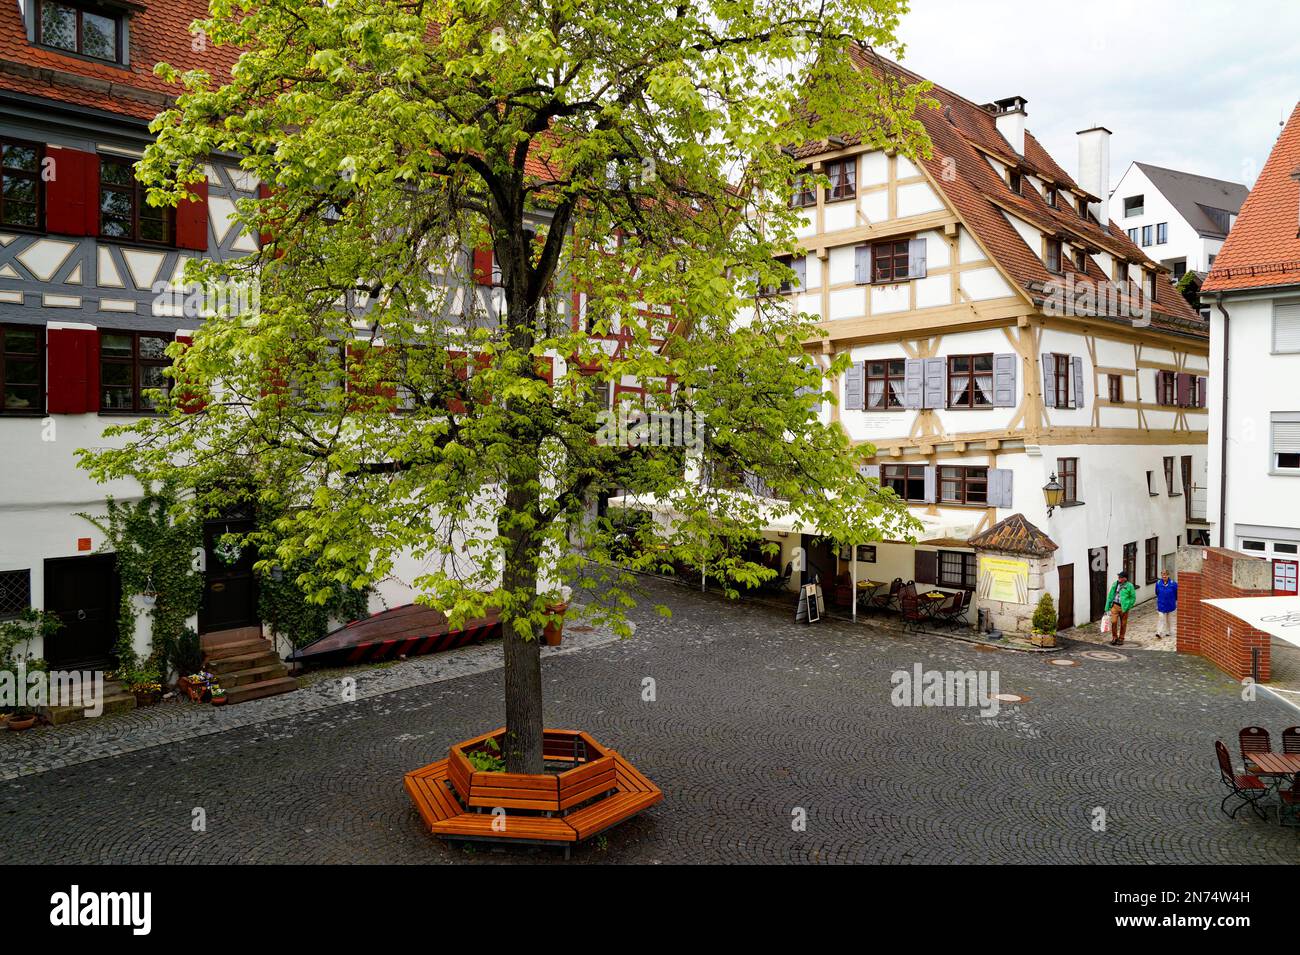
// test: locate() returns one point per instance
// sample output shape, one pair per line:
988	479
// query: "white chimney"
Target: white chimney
1009	114
1094	169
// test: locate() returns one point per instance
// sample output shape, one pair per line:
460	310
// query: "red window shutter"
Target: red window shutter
190	404
192	219
72	369
546	369
357	360
72	192
483	266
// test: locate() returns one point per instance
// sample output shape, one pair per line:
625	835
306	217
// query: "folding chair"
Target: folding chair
1249	789
910	608
1253	739
885	600
1291	739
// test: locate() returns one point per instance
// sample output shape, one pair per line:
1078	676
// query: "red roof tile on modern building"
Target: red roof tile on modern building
1263	248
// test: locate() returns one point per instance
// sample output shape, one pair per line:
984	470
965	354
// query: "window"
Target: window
1180	268
1015	181
804	193
1151	484
1052	196
15	593
1067	472
74	30
1153	559
1081	259
1053	256
1286	441
1162	233
885	384
956	569
963	485
1131	561
1146	235
1252	545
1169	476
1082	206
1115	388
123	212
1133	235
905	480
1286	548
20	184
1151	285
1063	381
843	174
131	363
970	381
1166	388
1194	397
22	368
1286	327
889	261
1134	206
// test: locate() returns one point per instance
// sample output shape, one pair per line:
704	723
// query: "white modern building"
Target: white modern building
1177	218
1003	334
1253	293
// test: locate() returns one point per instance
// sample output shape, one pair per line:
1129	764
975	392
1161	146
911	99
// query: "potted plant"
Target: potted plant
145	684
16	636
218	695
1043	630
553	632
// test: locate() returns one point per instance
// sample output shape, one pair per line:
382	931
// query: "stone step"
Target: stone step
210	641
270	671
237	648
242	661
116	700
254	691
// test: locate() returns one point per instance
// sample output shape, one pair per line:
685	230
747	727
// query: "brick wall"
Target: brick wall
1210	573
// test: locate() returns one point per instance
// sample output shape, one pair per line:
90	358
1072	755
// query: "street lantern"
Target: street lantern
1053	493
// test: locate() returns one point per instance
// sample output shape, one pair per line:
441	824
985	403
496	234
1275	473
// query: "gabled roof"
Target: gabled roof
1197	198
963	133
159	33
1014	535
1263	249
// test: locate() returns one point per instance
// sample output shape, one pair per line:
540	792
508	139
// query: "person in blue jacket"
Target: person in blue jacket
1166	605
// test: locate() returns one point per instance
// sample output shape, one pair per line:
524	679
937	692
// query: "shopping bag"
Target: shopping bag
1105	624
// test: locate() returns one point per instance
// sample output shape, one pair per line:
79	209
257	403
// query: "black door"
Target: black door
85	594
821	561
229	585
1097	568
1065	606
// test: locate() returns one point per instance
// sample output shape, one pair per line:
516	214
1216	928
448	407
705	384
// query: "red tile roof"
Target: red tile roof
1263	248
159	33
961	133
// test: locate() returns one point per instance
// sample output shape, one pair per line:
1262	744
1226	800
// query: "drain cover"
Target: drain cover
1107	655
1064	663
1010	698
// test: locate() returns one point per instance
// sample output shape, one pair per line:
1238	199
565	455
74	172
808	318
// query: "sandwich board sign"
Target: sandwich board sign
809	608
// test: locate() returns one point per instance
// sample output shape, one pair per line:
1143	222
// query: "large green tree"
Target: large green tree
626	155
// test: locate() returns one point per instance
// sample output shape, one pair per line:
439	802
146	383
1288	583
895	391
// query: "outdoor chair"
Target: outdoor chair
910	608
1291	739
953	611
884	601
1249	789
780	582
1253	739
1288	806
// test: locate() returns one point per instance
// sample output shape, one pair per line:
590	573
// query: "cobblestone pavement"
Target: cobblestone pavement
1141	633
754	717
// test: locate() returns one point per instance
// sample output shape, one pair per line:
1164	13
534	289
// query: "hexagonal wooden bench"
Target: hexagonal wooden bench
590	789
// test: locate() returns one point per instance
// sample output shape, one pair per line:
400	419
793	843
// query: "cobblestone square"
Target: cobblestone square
754	720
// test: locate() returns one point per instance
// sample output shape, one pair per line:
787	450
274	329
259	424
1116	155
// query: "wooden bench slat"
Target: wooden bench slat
517	827
601	815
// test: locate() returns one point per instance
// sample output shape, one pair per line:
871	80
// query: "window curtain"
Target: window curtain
984	384
876	393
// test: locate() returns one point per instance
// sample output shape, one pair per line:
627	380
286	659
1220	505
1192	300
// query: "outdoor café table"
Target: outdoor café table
867	591
1277	765
931	601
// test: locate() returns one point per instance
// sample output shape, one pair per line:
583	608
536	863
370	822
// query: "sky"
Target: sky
1196	86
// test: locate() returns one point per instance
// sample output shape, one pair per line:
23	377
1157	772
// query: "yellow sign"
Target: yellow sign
1005	579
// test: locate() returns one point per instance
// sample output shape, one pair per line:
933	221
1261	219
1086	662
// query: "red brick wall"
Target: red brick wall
1221	638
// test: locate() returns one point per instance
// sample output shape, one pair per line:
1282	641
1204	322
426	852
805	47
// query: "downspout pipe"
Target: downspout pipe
1223	426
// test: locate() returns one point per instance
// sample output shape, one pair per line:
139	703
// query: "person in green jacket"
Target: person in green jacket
1120	600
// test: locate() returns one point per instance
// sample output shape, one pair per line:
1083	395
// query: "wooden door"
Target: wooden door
1097	569
85	594
1065	605
229	584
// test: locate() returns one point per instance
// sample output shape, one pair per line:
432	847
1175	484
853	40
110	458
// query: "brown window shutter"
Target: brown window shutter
72	370
72	192
927	567
192	219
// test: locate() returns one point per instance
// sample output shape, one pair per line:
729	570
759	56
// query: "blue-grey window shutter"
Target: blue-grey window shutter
1004	380
931	484
1077	363
1049	380
800	266
862	265
936	382
855	383
869	471
1000	487
914	383
916	258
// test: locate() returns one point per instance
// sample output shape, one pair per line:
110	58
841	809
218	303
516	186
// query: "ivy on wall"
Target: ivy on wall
285	608
157	543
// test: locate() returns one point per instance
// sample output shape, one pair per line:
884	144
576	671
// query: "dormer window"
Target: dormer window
1052	258
1014	181
1051	196
1081	259
1083	208
93	33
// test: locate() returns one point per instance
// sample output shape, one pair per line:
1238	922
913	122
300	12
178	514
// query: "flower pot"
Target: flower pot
218	701
145	697
552	633
21	722
1043	639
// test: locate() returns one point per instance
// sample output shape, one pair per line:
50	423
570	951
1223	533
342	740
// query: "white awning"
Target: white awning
1277	616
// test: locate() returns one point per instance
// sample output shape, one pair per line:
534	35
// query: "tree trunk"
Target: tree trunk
523	652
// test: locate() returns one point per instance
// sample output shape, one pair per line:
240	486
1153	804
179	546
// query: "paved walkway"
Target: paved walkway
750	723
1141	632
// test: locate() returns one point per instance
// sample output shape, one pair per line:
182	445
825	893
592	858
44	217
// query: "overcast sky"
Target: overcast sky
1197	86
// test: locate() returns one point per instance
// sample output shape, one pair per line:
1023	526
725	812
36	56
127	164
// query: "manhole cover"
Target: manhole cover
1106	655
1010	698
1064	663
